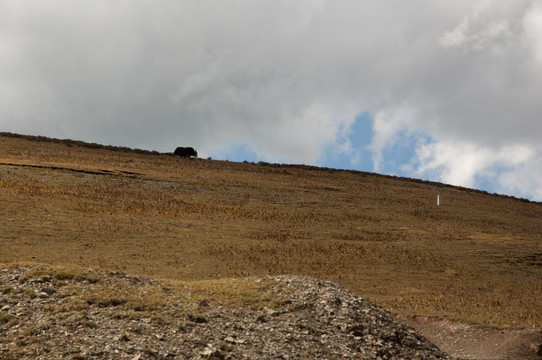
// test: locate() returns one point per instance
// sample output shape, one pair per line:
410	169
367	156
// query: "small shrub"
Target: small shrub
150	352
137	330
64	275
198	319
77	305
157	320
225	347
5	318
49	290
45	278
117	302
30	293
30	332
119	315
50	308
91	325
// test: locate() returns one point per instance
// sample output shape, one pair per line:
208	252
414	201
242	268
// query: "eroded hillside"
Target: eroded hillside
475	258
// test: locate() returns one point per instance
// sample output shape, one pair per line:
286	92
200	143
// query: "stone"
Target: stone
270	311
229	339
207	352
319	320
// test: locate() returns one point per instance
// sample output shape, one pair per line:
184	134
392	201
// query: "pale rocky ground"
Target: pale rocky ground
464	341
53	317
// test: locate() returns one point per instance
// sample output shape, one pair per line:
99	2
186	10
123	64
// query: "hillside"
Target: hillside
477	258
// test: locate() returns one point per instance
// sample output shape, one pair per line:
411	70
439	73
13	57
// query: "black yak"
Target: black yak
185	152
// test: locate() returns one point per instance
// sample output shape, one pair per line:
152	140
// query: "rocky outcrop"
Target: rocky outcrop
55	316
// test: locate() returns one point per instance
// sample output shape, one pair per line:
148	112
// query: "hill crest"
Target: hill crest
89	145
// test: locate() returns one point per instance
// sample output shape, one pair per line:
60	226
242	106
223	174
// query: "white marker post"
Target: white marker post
438	200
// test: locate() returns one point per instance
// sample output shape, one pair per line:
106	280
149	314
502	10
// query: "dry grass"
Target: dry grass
136	296
476	258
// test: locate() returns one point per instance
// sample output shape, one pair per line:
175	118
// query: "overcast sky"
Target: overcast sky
437	89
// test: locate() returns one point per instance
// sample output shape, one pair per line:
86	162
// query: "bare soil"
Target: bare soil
463	341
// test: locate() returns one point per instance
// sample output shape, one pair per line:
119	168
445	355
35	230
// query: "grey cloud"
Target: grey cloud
285	77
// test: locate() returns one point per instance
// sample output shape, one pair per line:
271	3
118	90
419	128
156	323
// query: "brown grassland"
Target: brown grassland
476	258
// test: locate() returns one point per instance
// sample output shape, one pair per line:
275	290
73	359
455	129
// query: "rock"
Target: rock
229	339
207	352
319	320
270	311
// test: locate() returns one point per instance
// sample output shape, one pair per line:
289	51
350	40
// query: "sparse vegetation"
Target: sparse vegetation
476	258
164	303
5	318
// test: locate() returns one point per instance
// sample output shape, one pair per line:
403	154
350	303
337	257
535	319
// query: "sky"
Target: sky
440	90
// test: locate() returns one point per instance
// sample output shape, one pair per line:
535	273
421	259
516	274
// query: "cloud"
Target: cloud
389	127
509	170
485	26
522	180
532	24
459	163
285	79
477	106
197	72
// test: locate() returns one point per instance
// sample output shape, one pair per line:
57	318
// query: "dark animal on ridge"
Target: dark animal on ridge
185	152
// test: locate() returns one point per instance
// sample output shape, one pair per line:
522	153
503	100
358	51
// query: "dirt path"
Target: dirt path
463	341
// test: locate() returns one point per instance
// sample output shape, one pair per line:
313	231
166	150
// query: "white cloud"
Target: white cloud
459	163
387	128
523	180
514	169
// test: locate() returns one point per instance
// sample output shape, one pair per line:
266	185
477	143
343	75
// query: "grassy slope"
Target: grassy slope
476	258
